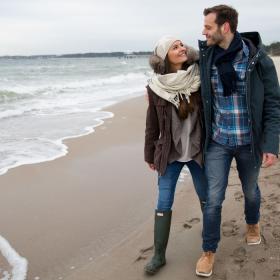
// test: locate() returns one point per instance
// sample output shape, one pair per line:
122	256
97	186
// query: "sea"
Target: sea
46	100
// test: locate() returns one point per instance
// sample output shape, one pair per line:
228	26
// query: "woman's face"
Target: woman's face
177	55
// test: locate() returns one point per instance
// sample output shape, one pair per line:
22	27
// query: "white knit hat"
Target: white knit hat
163	45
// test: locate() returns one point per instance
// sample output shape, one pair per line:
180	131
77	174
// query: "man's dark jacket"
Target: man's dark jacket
262	91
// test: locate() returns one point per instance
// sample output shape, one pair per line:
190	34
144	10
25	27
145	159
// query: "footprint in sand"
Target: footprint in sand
268	225
266	218
276	232
243	274
238	196
144	253
273	205
276	273
276	213
229	228
189	223
270	207
239	255
261	260
274	198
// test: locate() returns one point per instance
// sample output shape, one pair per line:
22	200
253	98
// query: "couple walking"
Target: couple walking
204	111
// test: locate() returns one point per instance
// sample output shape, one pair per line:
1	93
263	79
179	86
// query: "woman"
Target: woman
173	132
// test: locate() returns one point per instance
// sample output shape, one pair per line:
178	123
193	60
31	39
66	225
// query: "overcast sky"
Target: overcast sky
70	26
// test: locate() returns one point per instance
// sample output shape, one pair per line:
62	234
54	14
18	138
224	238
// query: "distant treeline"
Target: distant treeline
273	49
81	55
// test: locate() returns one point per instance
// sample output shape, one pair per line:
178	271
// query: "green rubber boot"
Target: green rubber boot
161	235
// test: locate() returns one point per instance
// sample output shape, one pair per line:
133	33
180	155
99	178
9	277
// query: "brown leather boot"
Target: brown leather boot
204	266
253	235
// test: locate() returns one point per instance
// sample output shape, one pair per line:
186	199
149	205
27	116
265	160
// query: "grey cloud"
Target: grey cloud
41	26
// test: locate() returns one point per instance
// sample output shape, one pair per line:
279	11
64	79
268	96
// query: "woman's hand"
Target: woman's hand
152	166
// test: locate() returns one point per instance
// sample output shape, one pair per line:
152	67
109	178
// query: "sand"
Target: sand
62	214
234	259
89	214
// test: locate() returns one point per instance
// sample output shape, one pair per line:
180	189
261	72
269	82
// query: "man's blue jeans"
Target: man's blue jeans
218	159
167	183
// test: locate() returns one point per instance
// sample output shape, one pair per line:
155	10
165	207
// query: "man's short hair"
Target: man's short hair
224	14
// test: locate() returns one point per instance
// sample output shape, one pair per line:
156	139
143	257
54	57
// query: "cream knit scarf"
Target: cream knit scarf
172	86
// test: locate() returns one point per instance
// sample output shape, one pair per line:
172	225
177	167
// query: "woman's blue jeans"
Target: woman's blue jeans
218	160
167	183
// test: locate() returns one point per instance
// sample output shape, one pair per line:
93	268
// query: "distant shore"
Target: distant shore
82	55
87	55
272	49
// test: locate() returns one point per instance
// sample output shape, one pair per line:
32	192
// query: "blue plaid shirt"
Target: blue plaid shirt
230	125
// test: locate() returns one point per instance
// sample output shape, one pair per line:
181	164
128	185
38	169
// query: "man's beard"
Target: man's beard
215	39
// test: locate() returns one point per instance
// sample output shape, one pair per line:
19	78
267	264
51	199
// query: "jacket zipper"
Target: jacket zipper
207	136
251	64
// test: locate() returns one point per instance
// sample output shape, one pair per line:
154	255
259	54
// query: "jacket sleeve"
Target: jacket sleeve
152	129
271	108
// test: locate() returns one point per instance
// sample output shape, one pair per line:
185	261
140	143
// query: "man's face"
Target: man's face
212	31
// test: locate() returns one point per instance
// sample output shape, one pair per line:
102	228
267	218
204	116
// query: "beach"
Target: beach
89	214
63	213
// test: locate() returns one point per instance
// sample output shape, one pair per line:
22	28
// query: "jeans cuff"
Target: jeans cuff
209	248
252	221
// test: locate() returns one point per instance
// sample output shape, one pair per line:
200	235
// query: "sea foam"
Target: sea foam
44	101
19	264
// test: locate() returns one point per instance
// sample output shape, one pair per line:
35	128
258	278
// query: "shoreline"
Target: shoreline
88	130
55	203
61	143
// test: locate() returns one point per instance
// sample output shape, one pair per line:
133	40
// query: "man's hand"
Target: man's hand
152	166
268	159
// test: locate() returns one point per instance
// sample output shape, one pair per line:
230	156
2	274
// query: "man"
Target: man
241	100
